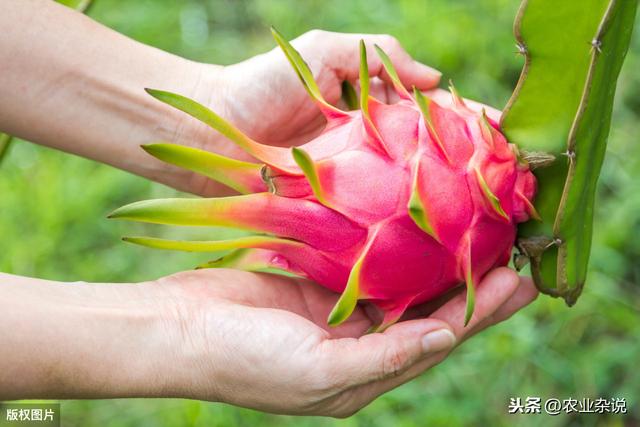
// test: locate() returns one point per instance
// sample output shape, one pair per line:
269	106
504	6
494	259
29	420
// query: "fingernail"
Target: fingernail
430	70
435	72
439	340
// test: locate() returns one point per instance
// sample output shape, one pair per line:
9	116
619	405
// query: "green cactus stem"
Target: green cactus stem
559	116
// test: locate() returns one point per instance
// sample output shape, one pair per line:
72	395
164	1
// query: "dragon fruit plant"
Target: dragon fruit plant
560	114
395	204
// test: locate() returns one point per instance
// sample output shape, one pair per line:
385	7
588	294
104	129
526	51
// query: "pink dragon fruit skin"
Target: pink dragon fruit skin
396	204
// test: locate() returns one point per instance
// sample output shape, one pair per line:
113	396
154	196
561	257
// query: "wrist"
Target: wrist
134	324
197	367
144	353
212	89
157	121
85	340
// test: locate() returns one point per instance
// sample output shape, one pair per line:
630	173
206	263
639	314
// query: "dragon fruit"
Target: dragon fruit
395	204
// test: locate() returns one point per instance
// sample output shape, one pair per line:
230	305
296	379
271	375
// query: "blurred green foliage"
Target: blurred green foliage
53	206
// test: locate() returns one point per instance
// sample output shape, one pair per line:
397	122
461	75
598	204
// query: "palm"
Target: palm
299	301
298	308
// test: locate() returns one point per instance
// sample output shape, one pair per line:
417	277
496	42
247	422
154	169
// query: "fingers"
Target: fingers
349	364
524	295
343	57
411	72
425	309
375	357
381	91
491	296
494	290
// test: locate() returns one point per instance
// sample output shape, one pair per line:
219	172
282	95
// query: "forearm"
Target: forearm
78	340
72	84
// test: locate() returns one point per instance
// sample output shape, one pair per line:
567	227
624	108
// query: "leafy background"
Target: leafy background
52	210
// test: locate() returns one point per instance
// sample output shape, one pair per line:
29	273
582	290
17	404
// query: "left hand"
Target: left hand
265	99
268	101
80	90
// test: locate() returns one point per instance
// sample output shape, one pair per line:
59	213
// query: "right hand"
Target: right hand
261	341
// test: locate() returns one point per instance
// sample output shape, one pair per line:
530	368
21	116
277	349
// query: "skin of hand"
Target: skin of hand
268	83
247	339
81	90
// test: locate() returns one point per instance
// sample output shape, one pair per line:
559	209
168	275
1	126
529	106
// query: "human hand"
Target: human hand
261	341
254	340
264	98
270	103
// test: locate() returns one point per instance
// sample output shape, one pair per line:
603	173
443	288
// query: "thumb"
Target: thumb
379	356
